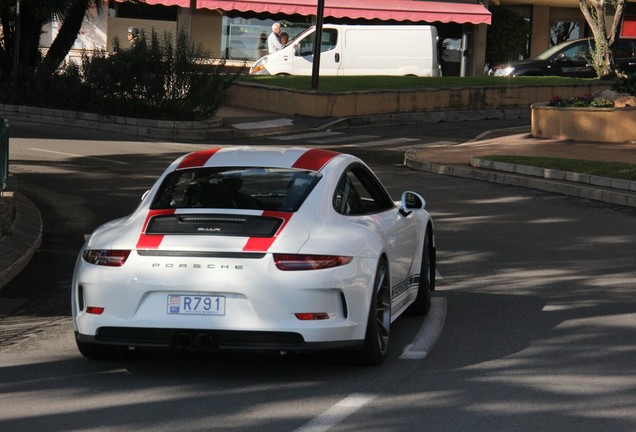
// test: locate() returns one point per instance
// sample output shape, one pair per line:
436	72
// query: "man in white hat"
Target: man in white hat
273	41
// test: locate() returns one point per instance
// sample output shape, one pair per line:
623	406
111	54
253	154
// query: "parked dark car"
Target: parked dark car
571	59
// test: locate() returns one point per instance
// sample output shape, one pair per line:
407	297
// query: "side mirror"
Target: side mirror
143	197
410	202
560	57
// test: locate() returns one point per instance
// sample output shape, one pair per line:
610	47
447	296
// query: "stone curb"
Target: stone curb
605	182
507	177
160	129
427	117
22	240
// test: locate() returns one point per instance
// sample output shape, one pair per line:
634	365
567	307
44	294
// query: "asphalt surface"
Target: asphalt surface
463	160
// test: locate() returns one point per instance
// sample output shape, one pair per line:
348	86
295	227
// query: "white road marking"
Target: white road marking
382	142
80	156
337	413
419	349
425	145
307	135
343	138
428	333
264	124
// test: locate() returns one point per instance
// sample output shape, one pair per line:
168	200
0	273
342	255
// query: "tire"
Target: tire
376	342
422	303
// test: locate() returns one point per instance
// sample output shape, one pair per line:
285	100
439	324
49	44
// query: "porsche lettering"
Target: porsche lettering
198	266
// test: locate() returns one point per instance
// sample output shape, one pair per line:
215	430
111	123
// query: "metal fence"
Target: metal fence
4	153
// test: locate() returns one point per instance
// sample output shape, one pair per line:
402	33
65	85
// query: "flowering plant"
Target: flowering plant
581	101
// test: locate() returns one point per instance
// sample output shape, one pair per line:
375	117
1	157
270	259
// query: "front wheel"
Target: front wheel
376	342
422	303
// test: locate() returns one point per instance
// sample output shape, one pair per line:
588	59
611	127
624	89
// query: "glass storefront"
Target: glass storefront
246	38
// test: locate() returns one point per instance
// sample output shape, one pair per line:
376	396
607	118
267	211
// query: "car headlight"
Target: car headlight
507	71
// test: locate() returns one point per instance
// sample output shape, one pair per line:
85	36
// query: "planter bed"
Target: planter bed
610	125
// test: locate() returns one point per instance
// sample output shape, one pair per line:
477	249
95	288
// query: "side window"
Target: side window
579	52
306	45
329	42
623	50
329	39
359	193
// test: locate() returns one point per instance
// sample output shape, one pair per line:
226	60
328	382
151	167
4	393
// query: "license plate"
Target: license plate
196	305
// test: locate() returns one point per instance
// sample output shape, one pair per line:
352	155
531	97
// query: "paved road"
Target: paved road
538	334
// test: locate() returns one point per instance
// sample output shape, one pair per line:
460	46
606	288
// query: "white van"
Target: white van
358	50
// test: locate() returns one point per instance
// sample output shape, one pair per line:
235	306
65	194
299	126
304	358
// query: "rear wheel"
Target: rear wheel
376	342
422	303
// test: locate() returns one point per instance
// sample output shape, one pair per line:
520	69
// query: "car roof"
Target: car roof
313	159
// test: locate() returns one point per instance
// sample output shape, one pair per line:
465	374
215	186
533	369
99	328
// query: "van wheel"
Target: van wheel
376	342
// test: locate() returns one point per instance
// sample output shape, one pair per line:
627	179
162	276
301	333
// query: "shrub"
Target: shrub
507	37
625	84
581	101
157	79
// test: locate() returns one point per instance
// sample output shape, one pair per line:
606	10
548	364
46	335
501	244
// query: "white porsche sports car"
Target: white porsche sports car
256	248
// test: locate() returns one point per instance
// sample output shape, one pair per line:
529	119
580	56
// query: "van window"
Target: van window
329	42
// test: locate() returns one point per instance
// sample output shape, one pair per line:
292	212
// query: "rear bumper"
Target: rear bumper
209	340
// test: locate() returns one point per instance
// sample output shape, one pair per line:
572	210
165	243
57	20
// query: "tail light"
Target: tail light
108	258
312	316
290	262
95	310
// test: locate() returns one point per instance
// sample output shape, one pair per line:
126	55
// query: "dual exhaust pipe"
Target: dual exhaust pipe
199	341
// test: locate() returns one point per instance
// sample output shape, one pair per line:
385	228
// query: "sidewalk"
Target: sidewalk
463	160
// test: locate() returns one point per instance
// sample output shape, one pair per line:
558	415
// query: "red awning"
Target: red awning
399	10
180	3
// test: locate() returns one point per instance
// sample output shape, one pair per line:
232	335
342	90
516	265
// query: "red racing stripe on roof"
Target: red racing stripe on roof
197	159
151	241
261	244
314	159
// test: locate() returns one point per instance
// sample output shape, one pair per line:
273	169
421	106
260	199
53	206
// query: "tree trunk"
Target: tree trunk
66	36
594	13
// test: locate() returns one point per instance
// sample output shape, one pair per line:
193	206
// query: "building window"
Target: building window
560	31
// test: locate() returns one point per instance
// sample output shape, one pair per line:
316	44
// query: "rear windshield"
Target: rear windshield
276	189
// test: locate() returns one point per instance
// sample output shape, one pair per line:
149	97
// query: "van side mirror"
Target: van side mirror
297	50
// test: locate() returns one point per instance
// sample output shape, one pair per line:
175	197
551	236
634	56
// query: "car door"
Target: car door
625	55
360	194
575	61
303	58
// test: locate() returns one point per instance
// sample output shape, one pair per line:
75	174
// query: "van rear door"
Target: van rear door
329	53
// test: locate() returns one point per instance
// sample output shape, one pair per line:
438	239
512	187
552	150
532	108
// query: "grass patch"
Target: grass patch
598	168
360	83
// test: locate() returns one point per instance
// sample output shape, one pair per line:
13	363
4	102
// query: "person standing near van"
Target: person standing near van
133	36
273	41
284	38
